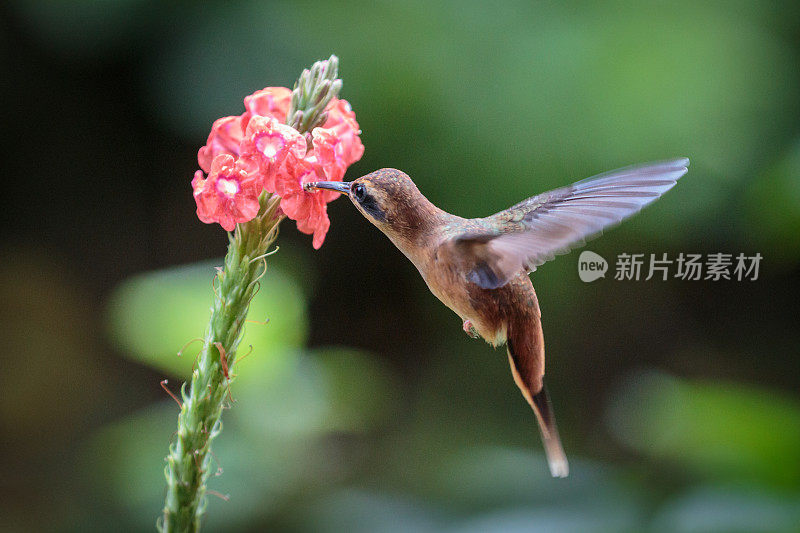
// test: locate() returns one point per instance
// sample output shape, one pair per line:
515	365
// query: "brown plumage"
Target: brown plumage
479	267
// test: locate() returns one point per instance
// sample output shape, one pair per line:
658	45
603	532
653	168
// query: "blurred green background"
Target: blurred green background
363	406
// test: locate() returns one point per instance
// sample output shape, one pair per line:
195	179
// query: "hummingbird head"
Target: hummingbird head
389	199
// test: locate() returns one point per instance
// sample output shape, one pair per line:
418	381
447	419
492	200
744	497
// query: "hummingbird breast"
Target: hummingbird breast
445	272
489	310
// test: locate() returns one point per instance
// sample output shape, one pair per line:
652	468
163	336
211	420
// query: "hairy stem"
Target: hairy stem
189	460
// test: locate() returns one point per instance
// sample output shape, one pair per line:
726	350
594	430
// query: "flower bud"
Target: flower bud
322	91
312	93
333	67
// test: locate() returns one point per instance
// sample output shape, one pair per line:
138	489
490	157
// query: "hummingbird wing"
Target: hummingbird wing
537	229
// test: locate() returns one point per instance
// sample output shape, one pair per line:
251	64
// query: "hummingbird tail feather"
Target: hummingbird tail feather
526	357
556	458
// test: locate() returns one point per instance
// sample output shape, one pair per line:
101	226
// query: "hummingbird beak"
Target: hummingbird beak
338	186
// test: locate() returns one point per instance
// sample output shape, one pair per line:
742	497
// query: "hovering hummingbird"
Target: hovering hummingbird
479	267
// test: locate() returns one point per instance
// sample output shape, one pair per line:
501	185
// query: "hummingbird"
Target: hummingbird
480	267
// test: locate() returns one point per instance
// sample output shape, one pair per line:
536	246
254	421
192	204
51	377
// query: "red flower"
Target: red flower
328	149
317	223
327	159
269	102
309	209
225	136
257	151
342	121
229	195
227	132
267	143
206	203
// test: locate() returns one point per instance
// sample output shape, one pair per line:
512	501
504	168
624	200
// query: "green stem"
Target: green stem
189	459
188	463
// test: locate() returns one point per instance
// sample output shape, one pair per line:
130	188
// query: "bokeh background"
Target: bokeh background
363	406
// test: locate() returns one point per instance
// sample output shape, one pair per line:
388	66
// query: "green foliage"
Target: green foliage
773	208
715	431
742	509
273	446
152	315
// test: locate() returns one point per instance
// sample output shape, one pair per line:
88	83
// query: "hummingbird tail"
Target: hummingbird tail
526	357
556	458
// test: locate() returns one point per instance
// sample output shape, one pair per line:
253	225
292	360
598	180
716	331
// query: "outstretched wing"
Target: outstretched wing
537	229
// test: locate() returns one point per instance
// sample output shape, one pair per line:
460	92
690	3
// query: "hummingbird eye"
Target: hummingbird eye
367	202
359	192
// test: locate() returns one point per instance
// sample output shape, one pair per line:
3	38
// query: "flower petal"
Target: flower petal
229	195
268	102
226	134
267	143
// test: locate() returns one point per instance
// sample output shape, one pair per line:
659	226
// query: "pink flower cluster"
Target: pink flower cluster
257	151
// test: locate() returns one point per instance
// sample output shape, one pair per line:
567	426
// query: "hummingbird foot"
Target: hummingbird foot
470	330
